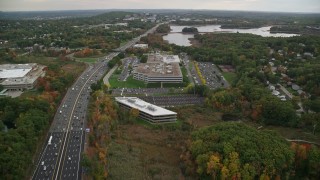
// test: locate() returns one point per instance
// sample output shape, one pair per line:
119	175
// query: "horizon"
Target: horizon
124	9
285	6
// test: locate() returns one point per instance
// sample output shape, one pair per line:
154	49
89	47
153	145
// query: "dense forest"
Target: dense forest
75	32
103	117
237	151
190	30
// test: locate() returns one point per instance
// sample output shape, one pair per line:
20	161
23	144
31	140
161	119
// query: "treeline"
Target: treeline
22	124
237	151
86	52
103	118
116	60
285	29
163	28
190	30
156	41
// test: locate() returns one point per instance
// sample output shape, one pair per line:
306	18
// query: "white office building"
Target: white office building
147	111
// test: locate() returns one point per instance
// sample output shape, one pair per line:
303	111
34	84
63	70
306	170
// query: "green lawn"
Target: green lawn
229	76
87	60
185	75
130	83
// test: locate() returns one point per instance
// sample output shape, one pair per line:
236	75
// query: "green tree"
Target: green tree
225	145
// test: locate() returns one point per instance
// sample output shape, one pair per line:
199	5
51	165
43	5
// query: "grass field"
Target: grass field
87	60
229	76
130	83
185	75
140	152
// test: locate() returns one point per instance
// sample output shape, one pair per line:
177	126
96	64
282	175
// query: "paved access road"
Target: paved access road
60	157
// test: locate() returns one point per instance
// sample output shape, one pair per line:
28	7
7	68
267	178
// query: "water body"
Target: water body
176	37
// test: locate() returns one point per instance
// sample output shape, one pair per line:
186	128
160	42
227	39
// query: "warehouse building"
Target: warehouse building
147	111
19	77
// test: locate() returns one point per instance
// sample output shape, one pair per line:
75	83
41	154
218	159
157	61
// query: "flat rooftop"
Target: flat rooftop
158	58
140	45
143	106
159	69
14	70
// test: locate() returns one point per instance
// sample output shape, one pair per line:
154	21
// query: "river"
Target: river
176	37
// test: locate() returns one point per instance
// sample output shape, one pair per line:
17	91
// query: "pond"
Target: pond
176	37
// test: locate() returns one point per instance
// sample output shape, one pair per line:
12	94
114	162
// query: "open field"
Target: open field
87	60
229	76
141	152
129	83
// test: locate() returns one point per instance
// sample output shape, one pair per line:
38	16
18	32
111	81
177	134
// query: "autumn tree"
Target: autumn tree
221	151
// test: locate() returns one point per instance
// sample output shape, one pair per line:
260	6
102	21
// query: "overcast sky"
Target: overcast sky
254	5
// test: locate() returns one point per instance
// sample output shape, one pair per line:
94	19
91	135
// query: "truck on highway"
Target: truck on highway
50	139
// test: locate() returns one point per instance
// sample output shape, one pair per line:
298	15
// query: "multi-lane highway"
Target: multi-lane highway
61	155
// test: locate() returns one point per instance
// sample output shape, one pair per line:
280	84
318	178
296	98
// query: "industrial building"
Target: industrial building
147	111
18	77
159	68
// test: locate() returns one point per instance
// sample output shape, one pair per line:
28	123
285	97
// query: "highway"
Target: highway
61	155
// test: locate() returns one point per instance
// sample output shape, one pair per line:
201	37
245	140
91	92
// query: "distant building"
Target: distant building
141	46
295	87
147	111
18	77
308	55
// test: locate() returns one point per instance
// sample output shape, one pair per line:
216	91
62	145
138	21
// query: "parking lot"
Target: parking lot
140	91
174	100
126	70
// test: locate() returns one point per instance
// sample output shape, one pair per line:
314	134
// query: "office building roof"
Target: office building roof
159	69
143	106
158	58
14	70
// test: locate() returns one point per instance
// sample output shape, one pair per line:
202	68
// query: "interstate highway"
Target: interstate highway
61	158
